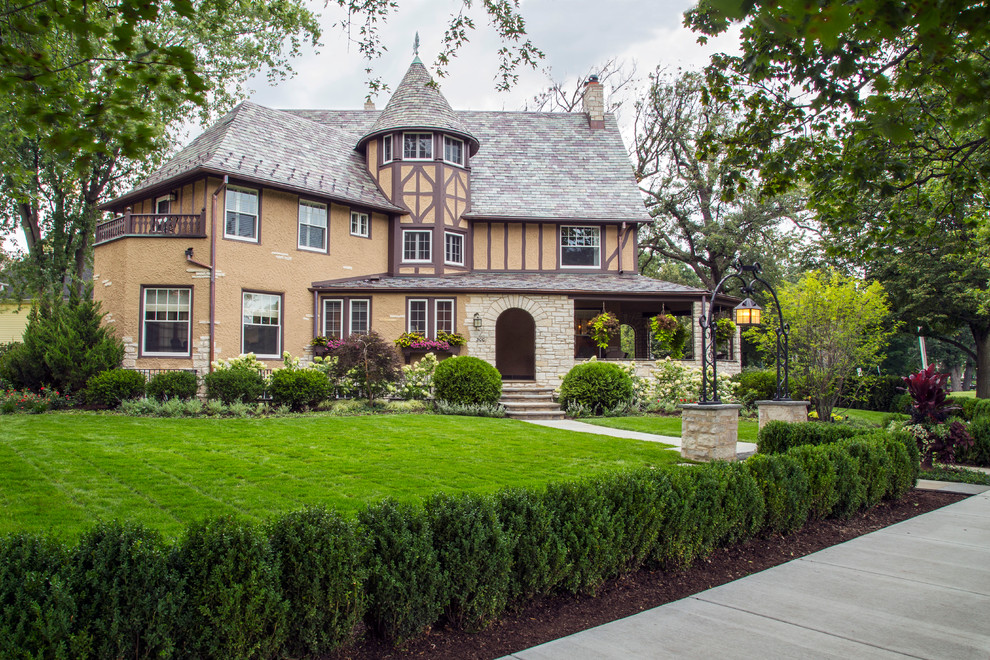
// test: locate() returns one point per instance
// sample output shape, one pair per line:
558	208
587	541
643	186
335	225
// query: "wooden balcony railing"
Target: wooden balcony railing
163	225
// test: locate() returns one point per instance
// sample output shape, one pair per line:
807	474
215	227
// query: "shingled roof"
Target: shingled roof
557	283
258	144
418	103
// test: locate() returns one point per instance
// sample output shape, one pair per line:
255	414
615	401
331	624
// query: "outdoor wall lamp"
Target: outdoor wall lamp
748	312
477	321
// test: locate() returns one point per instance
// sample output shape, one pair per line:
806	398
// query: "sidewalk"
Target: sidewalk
744	448
920	589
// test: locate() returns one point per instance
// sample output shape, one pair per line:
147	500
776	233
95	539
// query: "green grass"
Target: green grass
959	475
671	425
968	394
61	472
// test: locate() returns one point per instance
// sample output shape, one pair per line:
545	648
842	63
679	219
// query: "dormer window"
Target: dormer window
417	146
453	150
387	149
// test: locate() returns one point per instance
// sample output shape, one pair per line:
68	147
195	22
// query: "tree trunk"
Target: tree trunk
982	337
955	378
967	381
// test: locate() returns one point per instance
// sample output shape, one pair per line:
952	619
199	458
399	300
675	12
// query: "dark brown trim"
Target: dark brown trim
525	229
351	211
192	307
615	253
463	248
326	230
316	313
541	247
281	320
439	212
552	221
505	246
431	313
488	265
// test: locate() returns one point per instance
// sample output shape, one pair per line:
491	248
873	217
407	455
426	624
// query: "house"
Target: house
275	226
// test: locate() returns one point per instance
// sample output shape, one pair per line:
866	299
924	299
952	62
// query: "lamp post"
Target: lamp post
746	313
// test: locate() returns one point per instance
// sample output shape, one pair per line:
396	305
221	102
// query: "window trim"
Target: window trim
257	218
326	226
165	198
281	322
436	315
561	246
453	139
429	244
350	315
323	317
426	320
431	313
387	139
141	349
367	217
418	158
458	235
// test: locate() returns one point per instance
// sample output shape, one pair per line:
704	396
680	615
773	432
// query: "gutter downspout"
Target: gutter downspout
213	269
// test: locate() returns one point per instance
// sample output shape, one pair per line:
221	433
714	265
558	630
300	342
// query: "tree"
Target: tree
838	324
694	224
104	102
561	96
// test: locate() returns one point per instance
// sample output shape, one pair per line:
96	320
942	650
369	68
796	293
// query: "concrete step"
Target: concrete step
527	396
530	405
532	389
535	414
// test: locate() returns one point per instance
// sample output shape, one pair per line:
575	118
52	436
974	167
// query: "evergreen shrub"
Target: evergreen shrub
474	556
754	385
182	385
110	388
979	453
405	585
299	388
320	559
597	386
234	385
875	467
586	530
785	491
823	491
467	380
539	557
777	437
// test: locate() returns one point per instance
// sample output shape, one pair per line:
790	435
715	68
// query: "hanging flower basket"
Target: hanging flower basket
604	327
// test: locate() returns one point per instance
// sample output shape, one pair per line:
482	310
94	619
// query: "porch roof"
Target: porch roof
573	284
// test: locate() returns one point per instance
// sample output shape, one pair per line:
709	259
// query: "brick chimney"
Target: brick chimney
593	102
369	104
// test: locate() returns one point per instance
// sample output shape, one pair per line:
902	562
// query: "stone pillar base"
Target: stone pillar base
782	411
709	432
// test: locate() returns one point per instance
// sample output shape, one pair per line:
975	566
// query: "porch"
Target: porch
159	225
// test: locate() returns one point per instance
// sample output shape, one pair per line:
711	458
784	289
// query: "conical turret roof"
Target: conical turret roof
418	104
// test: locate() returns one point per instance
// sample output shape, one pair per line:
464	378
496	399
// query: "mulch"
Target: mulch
546	619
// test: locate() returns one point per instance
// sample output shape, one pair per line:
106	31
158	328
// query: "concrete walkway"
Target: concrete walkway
583	427
918	589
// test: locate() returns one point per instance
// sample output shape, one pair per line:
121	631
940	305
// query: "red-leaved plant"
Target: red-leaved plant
930	410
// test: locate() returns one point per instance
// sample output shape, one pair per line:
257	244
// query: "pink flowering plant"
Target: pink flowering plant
25	401
417	342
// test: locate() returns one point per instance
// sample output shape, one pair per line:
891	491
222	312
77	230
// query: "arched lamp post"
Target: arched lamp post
747	313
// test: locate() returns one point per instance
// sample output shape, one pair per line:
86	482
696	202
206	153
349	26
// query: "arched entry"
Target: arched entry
515	345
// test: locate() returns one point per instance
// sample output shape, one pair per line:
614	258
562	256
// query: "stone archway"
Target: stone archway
515	345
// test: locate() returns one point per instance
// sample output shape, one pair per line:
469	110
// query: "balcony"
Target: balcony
152	225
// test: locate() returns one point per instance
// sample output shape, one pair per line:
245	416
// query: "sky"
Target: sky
575	35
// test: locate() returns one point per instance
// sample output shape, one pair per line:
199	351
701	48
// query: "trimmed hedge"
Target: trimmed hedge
173	385
299	388
467	380
598	386
979	453
777	437
234	385
109	388
299	585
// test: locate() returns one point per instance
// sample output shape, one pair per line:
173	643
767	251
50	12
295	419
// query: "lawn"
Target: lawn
61	472
671	426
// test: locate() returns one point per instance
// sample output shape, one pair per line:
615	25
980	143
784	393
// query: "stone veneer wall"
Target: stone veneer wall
200	354
554	316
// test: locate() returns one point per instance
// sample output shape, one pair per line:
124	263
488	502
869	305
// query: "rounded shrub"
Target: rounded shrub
127	594
405	585
467	380
756	385
321	565
111	387
233	607
299	388
234	385
173	385
785	491
598	386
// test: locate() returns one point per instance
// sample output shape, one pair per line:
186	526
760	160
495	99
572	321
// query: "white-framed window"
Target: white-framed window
261	324
444	316
417	245
580	247
453	248
360	313
417	146
166	325
360	224
241	205
453	150
416	320
163	205
312	226
387	149
333	318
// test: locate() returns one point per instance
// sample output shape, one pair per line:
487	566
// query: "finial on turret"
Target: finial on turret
416	46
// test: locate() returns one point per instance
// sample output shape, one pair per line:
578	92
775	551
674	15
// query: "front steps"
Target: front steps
527	400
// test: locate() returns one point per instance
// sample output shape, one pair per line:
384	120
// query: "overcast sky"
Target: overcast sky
575	35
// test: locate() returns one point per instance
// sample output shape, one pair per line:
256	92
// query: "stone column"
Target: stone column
782	411
709	432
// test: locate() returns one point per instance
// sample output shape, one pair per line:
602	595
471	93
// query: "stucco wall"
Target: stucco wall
535	246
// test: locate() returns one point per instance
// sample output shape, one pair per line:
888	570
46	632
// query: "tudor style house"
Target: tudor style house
513	229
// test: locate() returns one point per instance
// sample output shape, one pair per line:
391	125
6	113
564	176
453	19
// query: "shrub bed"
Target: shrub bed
111	387
299	585
234	385
166	385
